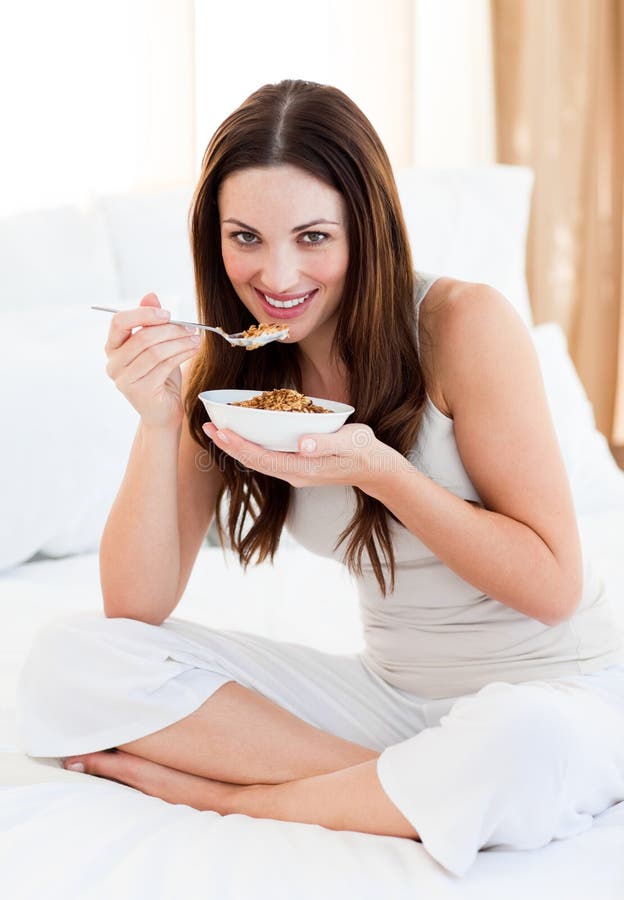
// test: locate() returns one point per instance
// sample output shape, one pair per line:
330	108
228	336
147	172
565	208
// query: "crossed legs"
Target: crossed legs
240	752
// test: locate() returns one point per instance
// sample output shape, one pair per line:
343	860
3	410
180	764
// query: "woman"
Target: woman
488	706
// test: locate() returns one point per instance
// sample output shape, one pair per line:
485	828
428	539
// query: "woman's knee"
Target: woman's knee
71	648
525	728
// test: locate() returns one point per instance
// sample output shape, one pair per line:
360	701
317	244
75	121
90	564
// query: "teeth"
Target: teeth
287	303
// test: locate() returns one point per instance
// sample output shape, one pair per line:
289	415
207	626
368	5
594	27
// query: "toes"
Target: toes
76	763
88	762
103	763
123	768
155	779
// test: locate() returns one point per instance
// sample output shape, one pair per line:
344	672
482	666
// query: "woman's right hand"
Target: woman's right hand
145	366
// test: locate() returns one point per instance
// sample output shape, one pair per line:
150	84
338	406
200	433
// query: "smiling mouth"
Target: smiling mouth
286	304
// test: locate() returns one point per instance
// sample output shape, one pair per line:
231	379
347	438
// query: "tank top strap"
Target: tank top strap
422	283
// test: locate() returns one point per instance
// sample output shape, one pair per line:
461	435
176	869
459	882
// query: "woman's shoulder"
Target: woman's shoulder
460	319
450	298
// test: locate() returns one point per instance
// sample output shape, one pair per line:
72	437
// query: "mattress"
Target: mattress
64	835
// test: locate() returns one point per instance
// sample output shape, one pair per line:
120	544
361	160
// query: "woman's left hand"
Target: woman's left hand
352	455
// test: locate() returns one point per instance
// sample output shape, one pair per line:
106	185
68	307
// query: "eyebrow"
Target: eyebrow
298	228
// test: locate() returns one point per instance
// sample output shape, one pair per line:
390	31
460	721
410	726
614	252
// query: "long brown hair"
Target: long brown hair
320	130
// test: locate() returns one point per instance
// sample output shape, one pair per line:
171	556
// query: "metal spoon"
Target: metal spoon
235	340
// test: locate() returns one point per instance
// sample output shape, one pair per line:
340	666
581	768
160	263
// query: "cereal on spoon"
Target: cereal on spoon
262	328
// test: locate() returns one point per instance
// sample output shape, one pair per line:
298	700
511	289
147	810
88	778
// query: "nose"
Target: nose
280	272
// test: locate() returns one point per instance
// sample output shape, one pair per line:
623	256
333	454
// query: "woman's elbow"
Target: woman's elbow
566	604
146	613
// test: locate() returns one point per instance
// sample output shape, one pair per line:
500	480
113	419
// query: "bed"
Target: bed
76	837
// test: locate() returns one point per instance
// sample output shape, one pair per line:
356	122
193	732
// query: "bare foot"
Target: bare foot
159	781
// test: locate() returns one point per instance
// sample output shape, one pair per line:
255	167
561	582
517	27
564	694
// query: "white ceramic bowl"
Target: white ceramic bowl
271	428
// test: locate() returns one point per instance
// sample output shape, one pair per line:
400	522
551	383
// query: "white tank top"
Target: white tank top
437	635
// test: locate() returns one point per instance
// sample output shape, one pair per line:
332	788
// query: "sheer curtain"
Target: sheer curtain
559	73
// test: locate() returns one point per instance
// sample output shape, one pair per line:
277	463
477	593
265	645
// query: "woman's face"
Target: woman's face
284	246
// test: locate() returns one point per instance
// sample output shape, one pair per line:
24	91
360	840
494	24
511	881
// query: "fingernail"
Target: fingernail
76	767
222	437
308	445
162	313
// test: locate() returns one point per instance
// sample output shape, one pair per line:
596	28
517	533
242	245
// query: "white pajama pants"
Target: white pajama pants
513	765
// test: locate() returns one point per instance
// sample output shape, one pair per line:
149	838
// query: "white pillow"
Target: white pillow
67	432
596	481
471	223
56	257
149	236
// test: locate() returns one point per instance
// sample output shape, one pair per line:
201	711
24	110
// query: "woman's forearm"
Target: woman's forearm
500	556
140	546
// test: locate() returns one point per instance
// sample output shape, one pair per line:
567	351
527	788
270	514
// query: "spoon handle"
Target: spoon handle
171	321
235	340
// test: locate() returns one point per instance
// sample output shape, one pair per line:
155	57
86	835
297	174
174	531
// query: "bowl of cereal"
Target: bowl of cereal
274	419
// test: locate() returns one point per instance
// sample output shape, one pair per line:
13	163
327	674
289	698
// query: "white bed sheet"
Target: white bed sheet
65	835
